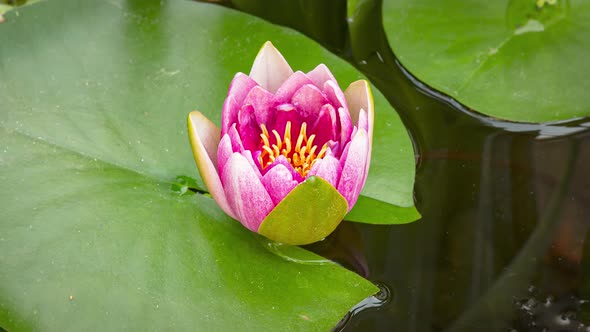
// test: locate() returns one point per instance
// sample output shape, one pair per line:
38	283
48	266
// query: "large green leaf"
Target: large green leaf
508	59
94	101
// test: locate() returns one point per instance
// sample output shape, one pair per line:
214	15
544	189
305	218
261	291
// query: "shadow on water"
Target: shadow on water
505	210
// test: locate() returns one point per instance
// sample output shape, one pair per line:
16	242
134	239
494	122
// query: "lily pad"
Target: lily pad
92	139
522	60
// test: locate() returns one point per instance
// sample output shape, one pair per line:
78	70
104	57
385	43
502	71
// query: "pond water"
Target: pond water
506	210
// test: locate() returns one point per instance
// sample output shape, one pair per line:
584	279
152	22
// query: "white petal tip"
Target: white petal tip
359	96
270	69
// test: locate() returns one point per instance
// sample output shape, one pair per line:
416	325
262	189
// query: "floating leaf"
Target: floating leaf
522	60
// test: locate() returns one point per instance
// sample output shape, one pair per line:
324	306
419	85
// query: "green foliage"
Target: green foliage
522	60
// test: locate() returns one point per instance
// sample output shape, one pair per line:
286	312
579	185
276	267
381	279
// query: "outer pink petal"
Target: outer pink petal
353	174
358	94
320	74
238	90
239	87
364	123
279	182
254	165
204	137
308	101
224	151
245	193
290	86
229	113
328	168
345	125
270	69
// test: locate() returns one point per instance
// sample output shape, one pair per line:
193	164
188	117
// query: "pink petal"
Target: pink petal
284	114
335	95
352	178
359	97
325	126
239	87
279	182
248	128
238	90
204	137
320	74
261	101
290	86
333	149
281	160
363	121
345	125
245	193
224	151
235	139
229	113
308	101
270	69
248	155
328	168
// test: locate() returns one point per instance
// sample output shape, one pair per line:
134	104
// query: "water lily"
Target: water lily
293	151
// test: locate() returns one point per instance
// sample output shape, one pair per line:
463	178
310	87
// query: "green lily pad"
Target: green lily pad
372	211
308	214
523	60
92	139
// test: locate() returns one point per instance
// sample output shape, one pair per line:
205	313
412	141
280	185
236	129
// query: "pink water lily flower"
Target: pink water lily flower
293	151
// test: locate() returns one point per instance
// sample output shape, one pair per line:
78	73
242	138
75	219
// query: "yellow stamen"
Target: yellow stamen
278	138
268	150
302	157
310	141
264	131
300	138
275	149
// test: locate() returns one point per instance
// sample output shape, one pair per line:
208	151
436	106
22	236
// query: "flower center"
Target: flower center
302	156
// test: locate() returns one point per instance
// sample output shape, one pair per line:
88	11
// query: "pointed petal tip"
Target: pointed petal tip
359	96
320	74
268	44
270	69
203	131
204	139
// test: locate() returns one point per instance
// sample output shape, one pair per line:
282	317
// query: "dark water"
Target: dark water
506	206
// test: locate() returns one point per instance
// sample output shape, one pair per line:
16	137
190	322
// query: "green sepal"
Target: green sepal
307	214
